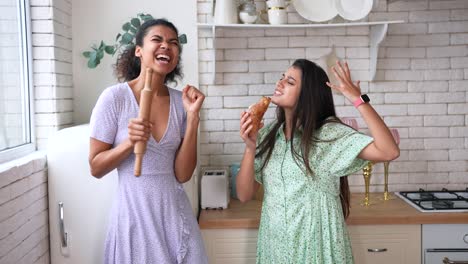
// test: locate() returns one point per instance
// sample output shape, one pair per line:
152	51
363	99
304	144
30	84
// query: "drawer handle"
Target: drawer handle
465	238
448	261
376	250
439	250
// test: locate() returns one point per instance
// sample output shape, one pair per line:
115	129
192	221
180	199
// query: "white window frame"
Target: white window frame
26	85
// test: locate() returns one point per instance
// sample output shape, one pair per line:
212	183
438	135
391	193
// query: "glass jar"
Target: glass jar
248	12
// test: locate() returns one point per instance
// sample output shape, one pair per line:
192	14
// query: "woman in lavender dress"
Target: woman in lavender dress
151	220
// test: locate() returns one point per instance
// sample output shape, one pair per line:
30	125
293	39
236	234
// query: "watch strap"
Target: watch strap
359	101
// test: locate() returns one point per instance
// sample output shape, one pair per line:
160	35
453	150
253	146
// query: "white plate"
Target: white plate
316	10
354	9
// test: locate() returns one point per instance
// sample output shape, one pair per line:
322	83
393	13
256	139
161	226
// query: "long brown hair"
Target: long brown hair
315	107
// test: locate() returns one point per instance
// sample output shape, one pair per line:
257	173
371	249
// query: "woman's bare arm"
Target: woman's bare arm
103	158
384	148
186	157
245	182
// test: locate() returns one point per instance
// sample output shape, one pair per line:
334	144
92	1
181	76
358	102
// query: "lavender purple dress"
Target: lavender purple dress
151	220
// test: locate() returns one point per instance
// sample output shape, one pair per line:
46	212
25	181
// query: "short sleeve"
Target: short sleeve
259	160
339	156
103	123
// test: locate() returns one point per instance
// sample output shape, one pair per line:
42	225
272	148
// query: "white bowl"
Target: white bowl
246	18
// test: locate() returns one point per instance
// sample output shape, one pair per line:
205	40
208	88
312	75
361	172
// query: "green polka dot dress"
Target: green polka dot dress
302	219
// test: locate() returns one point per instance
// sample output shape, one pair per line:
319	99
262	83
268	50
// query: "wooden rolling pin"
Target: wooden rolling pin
146	98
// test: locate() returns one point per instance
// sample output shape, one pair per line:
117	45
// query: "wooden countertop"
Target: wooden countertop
391	212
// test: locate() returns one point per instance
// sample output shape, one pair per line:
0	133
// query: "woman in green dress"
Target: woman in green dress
301	159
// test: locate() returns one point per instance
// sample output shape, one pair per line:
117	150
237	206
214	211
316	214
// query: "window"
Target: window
16	135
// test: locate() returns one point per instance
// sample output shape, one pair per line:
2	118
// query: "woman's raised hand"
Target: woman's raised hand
346	86
192	99
250	139
138	130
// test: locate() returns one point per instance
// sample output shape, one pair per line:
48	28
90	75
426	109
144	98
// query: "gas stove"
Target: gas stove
443	201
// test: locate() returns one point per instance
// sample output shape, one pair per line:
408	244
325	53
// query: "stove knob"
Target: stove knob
465	238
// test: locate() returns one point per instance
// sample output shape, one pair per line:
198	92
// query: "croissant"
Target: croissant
257	111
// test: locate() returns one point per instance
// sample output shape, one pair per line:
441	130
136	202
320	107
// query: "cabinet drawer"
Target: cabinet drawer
386	244
230	246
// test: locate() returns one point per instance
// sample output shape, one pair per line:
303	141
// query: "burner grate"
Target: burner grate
439	204
444	200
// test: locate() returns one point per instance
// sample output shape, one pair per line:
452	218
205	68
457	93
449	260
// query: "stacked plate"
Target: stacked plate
323	10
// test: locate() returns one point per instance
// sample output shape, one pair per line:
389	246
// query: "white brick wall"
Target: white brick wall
52	67
24	230
421	86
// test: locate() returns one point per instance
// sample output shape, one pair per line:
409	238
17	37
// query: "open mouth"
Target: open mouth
277	93
163	58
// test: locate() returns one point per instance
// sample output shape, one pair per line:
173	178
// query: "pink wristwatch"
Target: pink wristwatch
361	100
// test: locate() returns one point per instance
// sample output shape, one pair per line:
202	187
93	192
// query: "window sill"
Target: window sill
19	168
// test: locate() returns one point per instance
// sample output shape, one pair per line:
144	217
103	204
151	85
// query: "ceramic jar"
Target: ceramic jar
277	12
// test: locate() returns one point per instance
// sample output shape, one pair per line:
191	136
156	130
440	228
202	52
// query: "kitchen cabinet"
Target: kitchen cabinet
230	246
378	31
231	235
386	243
371	244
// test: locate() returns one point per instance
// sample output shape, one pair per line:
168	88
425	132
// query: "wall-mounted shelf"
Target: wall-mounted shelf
378	31
317	25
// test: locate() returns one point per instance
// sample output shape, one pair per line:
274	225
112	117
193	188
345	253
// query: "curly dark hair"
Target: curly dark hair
128	66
